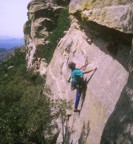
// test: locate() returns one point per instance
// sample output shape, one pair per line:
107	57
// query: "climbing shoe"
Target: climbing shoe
76	110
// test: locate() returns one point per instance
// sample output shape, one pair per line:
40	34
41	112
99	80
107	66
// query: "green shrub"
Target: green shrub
25	112
62	25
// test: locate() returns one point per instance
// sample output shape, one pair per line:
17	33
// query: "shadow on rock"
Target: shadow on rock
84	134
119	127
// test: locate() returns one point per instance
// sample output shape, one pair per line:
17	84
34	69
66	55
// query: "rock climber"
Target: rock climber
77	81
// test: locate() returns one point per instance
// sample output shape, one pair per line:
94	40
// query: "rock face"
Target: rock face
115	14
42	19
100	33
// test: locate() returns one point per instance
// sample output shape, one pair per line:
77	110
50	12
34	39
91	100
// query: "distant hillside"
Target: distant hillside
4	53
8	43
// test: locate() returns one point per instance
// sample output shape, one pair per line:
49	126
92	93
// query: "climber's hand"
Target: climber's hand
69	80
95	69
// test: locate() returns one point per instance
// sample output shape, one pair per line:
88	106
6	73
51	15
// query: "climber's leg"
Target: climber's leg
77	99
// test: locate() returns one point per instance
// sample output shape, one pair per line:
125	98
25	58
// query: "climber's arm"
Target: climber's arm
85	72
82	66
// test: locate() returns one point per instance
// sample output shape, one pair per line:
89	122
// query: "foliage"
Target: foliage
62	2
27	27
63	106
25	115
62	25
25	112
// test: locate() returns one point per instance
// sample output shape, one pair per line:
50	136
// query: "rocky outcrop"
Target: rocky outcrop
118	128
115	14
100	33
42	20
103	87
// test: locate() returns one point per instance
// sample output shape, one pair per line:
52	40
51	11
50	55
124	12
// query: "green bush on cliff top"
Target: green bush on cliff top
58	32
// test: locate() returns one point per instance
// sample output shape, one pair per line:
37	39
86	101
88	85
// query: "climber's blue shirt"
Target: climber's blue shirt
76	74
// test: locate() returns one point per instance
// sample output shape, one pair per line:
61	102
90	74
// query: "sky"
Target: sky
13	15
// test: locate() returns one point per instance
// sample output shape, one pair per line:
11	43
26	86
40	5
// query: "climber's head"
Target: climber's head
71	65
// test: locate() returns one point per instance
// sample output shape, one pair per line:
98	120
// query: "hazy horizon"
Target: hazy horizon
10	37
13	15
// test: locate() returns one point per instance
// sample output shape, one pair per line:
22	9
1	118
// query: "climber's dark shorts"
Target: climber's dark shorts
77	85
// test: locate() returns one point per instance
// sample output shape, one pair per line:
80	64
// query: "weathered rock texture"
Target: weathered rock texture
101	33
42	19
115	14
